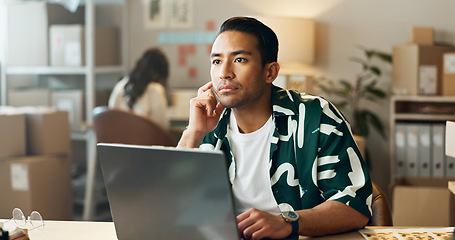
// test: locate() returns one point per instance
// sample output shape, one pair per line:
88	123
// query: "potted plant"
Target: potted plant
352	96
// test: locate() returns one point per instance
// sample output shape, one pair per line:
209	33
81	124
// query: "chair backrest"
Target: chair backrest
117	126
382	215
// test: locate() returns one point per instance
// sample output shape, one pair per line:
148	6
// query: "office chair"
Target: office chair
382	215
117	126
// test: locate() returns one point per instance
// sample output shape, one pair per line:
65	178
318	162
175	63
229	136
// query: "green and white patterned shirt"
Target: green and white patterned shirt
313	156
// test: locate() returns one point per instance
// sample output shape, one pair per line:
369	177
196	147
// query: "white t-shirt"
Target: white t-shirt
152	104
251	185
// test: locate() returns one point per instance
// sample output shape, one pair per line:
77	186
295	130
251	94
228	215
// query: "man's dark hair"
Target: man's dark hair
268	41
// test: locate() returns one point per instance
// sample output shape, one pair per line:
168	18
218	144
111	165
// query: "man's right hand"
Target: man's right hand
205	112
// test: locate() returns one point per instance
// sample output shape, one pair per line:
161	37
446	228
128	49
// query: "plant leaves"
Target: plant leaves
362	88
384	56
359	60
361	123
377	92
375	70
325	89
342	104
371	84
376	123
346	84
369	53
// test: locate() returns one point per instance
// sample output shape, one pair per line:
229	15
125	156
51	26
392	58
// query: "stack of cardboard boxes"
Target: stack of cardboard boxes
418	65
421	67
35	164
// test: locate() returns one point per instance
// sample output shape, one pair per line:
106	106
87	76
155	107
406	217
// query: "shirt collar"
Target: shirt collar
282	104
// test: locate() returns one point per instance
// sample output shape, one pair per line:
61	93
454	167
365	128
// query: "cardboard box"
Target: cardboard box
48	132
67	44
422	202
29	97
421	35
448	77
450	139
30	48
417	69
41	183
12	137
71	101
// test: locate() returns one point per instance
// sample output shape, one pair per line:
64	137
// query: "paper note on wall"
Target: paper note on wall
428	79
19	177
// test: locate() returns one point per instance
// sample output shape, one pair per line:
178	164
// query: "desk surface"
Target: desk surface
72	230
452	186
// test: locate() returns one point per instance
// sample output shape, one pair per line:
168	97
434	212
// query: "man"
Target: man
293	164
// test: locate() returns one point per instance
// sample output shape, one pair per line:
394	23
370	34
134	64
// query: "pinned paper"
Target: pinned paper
192	72
181	14
19	177
210	25
184	51
182	60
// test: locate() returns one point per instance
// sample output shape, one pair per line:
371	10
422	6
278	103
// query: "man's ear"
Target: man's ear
272	70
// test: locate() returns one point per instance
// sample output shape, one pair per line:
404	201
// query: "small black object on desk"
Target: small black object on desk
4	235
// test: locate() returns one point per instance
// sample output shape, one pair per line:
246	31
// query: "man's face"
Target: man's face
238	76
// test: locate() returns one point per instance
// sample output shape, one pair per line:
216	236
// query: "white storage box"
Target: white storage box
67	43
28	26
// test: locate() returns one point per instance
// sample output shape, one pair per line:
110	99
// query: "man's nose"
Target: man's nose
226	71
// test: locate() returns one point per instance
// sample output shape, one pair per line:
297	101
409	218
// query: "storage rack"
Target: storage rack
90	71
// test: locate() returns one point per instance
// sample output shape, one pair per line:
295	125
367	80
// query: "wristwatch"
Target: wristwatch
292	218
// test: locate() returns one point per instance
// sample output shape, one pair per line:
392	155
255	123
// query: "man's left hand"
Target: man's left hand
256	224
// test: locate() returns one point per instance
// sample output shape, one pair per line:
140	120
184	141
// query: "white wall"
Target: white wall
342	25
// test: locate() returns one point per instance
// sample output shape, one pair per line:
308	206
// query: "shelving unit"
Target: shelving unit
89	71
417	109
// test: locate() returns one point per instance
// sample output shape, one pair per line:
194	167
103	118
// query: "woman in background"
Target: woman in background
144	91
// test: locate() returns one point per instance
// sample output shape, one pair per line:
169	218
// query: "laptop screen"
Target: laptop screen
168	193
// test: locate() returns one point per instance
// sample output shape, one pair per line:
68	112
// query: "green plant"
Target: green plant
353	96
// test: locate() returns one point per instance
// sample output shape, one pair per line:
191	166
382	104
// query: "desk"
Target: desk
72	230
452	186
76	230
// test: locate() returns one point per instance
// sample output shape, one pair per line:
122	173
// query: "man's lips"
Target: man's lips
227	88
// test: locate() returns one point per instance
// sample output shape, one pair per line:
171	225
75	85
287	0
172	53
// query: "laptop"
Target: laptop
167	193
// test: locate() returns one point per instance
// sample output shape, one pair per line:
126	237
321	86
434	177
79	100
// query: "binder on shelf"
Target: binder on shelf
400	149
450	166
449	148
424	150
450	138
412	141
438	156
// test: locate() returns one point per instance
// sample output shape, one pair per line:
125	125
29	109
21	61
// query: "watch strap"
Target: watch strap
295	228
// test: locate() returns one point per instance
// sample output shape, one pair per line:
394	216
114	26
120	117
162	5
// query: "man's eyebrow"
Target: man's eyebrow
215	55
244	52
234	53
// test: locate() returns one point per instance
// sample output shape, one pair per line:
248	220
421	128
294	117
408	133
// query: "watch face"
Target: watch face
291	215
